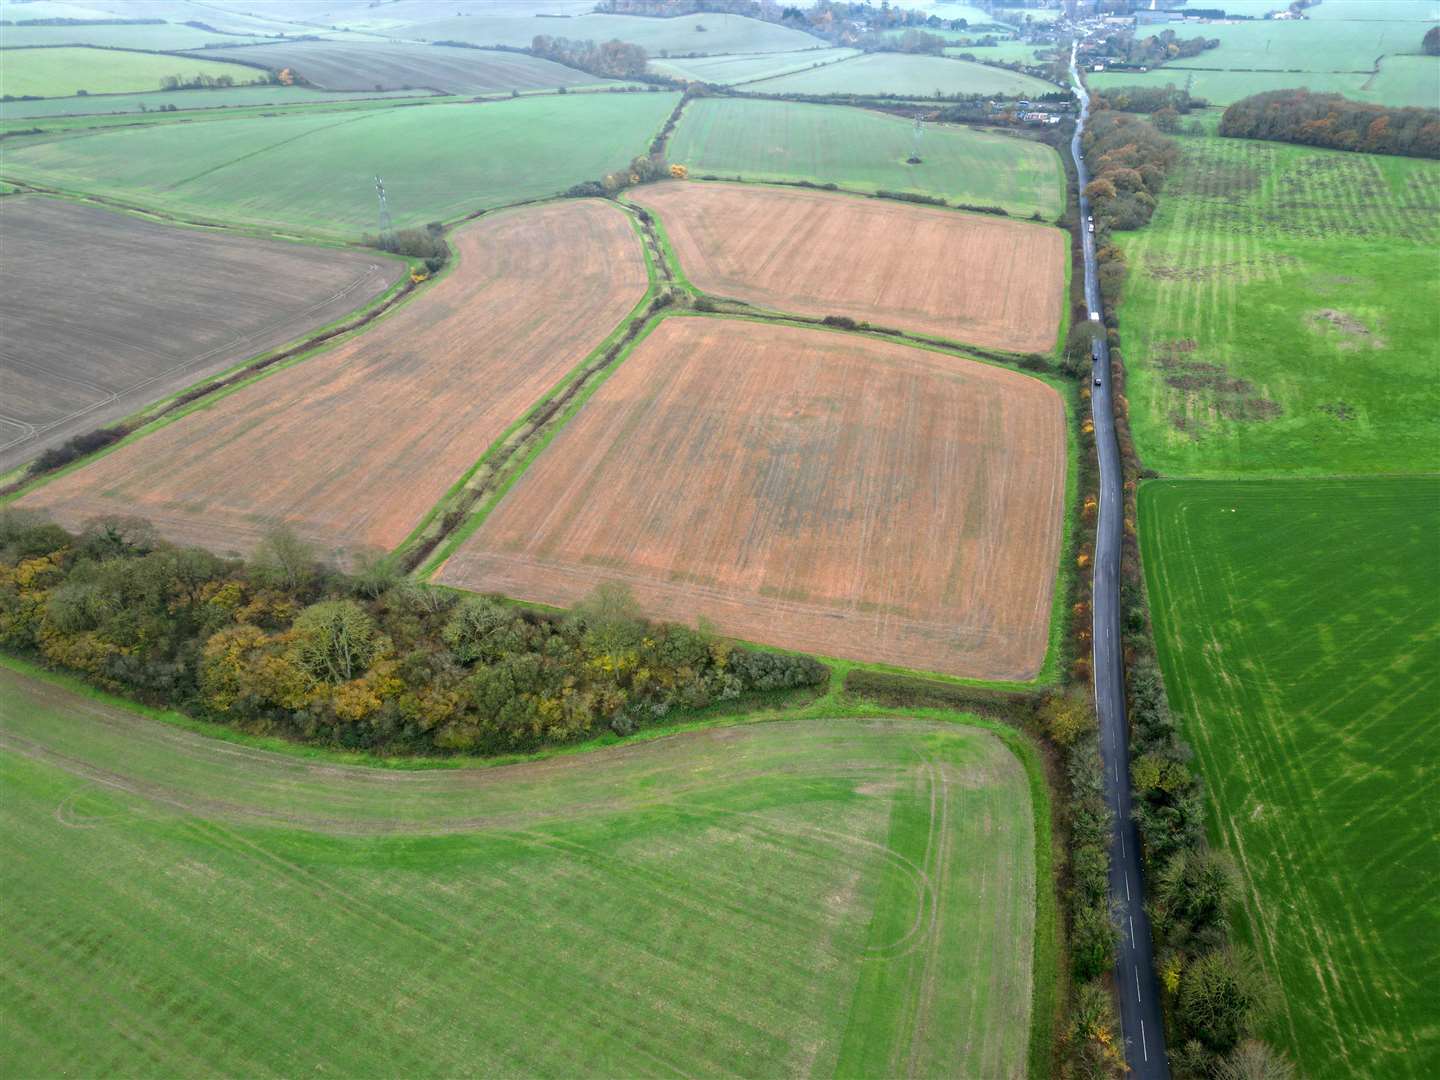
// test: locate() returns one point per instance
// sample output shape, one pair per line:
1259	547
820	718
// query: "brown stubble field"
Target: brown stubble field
351	447
963	277
105	312
800	488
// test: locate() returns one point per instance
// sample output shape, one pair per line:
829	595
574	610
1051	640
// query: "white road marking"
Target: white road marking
1127	888
1136	968
1145	1046
1122	848
1131	917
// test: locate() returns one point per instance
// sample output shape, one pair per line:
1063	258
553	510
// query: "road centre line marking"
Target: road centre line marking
1136	969
1130	917
1144	1046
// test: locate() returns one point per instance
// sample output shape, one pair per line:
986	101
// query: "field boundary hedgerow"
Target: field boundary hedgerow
424	558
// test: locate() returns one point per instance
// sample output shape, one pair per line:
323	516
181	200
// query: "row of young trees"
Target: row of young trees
1334	122
284	645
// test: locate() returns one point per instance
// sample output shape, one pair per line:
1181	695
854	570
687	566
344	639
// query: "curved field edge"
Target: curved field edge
1045	960
1304	682
1050	668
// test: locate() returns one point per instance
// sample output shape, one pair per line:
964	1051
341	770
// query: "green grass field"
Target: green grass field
866	151
316	172
1402	81
1299	629
187	100
167	36
899	73
1302	45
1282	314
64	72
810	897
730	70
1006	52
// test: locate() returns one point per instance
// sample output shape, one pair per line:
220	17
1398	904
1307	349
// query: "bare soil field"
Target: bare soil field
965	277
351	447
800	488
105	313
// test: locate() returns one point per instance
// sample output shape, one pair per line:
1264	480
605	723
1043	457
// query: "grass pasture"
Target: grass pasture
316	172
972	278
906	75
64	72
867	151
354	445
816	897
748	67
381	65
84	348
1401	81
1299	629
1282	314
1302	45
752	474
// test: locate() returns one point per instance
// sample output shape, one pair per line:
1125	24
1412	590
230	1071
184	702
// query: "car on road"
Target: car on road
1097	380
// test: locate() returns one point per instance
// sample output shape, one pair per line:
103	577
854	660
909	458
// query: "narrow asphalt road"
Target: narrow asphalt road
1135	979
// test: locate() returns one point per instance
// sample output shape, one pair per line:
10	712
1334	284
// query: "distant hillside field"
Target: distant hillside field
316	172
748	67
1298	623
64	72
1402	81
838	897
910	75
703	34
866	151
218	98
379	65
1282	313
148	36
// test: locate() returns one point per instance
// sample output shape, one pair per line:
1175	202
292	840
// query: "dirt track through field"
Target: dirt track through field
352	447
801	488
104	313
966	277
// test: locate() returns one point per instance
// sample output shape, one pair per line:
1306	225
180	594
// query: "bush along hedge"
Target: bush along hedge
369	661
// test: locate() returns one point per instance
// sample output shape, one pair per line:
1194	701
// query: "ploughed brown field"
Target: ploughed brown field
964	277
351	447
104	313
801	488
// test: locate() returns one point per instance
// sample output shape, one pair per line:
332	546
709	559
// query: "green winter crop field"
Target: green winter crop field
1299	630
744	68
817	897
1401	81
142	36
906	75
1303	45
866	151
1282	314
226	97
65	72
316	172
